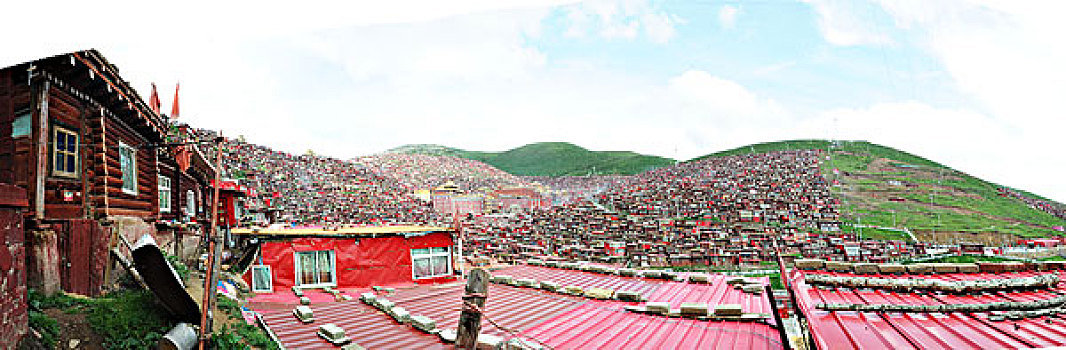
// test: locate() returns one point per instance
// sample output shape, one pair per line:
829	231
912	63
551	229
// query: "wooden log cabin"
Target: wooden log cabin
89	151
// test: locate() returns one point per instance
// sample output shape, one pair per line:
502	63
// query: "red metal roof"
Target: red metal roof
516	308
606	325
871	330
564	322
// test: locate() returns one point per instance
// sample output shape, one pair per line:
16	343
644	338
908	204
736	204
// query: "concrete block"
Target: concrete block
599	293
657	307
693	309
728	310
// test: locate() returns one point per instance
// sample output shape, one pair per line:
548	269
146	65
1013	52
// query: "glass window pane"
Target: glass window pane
439	249
22	124
59	162
440	265
61	141
420	251
325	270
307	268
422	267
72	142
261	278
70	163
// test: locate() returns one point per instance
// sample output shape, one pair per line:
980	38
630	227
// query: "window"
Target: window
164	194
22	124
127	158
315	269
65	153
262	280
431	262
190	203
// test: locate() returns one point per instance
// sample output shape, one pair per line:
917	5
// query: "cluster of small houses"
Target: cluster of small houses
727	211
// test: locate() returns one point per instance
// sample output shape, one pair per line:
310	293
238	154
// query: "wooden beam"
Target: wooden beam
41	149
477	288
83	157
103	157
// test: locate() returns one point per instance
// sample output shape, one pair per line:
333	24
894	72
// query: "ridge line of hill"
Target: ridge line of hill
550	159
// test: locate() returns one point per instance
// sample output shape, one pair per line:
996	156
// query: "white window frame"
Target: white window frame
190	203
56	152
447	253
133	167
299	271
164	205
270	280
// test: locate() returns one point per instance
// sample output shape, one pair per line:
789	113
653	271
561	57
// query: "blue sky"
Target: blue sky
974	84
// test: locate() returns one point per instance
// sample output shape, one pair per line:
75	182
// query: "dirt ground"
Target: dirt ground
74	329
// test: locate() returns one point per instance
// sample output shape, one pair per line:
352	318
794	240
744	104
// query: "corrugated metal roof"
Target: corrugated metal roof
343	231
605	325
564	322
871	330
515	308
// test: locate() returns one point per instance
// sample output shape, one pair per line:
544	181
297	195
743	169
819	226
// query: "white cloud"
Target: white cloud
723	97
659	27
727	16
205	21
1004	55
621	19
841	23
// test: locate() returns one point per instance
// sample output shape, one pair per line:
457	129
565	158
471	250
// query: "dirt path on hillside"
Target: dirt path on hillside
888	165
987	238
866	200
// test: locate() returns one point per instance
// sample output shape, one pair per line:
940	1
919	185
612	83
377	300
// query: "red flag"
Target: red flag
153	101
174	111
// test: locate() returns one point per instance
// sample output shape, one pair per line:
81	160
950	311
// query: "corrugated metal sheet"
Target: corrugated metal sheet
512	307
564	322
605	325
870	330
364	324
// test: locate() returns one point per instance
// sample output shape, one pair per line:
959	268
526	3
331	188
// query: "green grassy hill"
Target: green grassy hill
550	159
886	187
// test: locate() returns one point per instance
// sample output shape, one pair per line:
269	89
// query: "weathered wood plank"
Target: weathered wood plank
477	288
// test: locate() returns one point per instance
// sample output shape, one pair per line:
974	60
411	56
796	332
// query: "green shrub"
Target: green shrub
179	267
241	335
129	319
40	301
47	326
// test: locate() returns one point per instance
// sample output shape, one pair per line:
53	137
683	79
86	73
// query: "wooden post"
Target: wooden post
41	151
212	263
477	288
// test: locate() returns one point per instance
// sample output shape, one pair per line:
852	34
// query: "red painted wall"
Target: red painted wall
13	303
361	262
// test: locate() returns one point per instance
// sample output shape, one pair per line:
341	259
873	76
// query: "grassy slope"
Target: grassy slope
551	159
964	203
